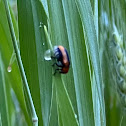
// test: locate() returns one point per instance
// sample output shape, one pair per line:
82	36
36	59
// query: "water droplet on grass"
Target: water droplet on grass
75	116
9	69
47	55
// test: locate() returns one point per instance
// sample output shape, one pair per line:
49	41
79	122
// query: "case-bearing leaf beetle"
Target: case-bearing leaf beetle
62	60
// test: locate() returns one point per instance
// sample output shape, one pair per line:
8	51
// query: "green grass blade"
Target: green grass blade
86	14
60	122
30	104
44	2
96	16
31	18
58	33
96	103
53	120
0	120
59	36
6	49
64	104
79	63
3	98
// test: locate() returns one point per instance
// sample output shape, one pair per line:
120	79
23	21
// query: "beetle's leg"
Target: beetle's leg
58	69
57	64
53	64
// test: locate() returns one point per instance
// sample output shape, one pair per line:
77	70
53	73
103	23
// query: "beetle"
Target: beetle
62	59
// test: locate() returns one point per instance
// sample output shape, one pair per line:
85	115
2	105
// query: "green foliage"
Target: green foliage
86	95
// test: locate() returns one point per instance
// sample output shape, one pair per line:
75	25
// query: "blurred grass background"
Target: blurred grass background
72	99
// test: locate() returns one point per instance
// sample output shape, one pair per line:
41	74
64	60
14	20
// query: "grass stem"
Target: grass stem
21	68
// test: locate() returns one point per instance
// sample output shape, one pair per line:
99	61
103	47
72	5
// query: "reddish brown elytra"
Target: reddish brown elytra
62	57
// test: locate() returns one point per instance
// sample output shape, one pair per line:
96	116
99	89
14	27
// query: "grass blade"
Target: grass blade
64	104
86	14
4	115
58	34
6	49
31	20
24	79
79	63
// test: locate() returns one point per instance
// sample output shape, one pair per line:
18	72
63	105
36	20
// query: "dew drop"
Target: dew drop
43	43
75	116
9	69
47	55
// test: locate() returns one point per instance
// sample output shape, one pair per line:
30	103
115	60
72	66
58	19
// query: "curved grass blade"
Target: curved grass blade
4	115
79	63
64	104
53	121
6	49
28	97
31	19
86	14
44	3
58	34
